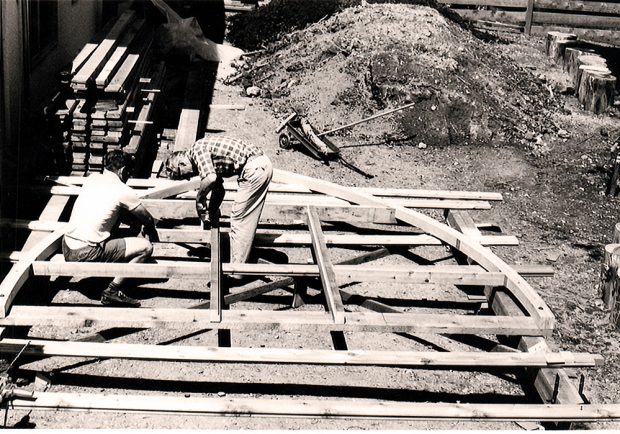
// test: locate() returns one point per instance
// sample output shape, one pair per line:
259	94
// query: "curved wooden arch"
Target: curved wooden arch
20	272
522	291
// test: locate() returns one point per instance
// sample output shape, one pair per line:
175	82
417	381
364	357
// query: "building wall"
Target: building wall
26	87
78	21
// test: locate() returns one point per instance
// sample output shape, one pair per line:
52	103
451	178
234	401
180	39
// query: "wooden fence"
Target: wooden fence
589	20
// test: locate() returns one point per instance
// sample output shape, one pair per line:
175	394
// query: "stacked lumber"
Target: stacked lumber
593	83
105	93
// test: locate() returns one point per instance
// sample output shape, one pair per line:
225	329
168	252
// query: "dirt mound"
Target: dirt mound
365	59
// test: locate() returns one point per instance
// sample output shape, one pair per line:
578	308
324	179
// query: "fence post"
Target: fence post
529	13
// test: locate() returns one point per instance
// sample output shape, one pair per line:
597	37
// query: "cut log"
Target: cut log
616	236
556	43
589	60
596	89
570	58
610	281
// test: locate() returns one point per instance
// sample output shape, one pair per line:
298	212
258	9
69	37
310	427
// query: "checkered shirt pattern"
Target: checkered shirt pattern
223	156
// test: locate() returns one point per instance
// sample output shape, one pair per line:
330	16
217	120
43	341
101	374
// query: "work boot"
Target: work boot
113	296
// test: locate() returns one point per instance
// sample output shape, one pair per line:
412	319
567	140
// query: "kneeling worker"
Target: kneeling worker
214	158
95	218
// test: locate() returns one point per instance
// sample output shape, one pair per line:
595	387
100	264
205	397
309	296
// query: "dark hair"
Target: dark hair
171	164
116	159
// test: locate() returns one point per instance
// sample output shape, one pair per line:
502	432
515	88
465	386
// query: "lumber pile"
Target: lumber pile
109	95
593	83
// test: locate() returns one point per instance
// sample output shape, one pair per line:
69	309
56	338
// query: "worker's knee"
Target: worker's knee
138	247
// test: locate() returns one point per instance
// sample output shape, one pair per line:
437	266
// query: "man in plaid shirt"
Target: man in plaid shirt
213	159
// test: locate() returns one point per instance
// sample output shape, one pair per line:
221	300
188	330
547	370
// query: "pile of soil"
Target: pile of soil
365	59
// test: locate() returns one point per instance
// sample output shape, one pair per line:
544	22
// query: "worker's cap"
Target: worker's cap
175	166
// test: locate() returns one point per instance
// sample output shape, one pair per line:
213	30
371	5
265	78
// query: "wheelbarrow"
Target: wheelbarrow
296	129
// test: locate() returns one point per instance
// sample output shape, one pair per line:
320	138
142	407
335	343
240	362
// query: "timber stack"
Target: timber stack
593	83
110	94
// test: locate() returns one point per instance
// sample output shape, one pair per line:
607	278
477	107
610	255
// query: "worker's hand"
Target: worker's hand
201	209
215	216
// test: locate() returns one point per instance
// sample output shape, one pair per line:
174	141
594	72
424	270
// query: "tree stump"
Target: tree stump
596	90
570	58
610	281
586	59
556	43
616	236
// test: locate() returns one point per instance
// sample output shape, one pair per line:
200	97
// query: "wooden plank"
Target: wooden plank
82	56
187	131
217	297
300	199
577	20
279	238
94	62
182	209
119	53
122	74
580	6
237	319
326	269
286	187
542	18
493	15
488	3
413	274
526	295
324	408
178	353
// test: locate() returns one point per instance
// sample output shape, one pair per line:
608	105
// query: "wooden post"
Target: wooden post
610	281
217	289
529	13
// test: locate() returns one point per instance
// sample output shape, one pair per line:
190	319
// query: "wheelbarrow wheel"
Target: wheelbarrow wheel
285	141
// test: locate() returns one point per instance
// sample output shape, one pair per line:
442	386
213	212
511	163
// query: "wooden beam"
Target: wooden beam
237	319
326	268
285	187
122	74
181	209
280	238
330	408
290	198
216	300
412	274
177	353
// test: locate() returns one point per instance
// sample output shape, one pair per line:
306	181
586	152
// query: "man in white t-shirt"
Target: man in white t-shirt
95	217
